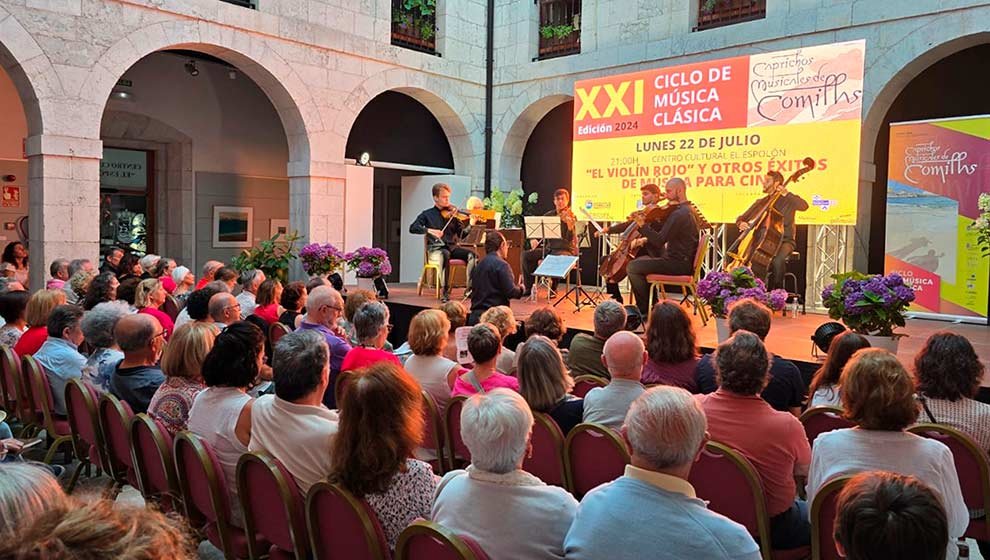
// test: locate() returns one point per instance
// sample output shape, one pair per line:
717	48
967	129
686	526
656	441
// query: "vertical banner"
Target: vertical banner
721	125
936	172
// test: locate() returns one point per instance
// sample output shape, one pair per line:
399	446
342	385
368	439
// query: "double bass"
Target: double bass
758	245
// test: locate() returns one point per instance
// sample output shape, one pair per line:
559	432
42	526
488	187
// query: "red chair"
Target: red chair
547	461
171	307
973	470
151	455
30	412
114	416
593	455
585	383
343	526
823	512
731	486
425	540
58	429
8	381
204	495
273	507
433	437
821	419
458	453
87	440
276	331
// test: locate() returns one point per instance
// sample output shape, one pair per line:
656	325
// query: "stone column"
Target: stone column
316	205
64	210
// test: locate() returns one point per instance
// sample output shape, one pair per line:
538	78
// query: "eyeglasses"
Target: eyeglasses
234	306
334	307
162	334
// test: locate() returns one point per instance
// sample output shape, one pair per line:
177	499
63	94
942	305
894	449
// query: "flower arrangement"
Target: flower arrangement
368	262
982	224
511	205
868	304
318	259
720	289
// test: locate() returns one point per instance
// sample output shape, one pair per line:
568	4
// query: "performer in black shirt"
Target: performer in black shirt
491	283
566	245
443	230
787	205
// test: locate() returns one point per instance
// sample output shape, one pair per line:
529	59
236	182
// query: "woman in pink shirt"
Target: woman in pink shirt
267	298
484	344
148	298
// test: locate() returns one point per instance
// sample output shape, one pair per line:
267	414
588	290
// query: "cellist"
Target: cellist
784	209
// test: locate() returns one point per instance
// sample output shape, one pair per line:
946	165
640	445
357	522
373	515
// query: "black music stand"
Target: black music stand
542	228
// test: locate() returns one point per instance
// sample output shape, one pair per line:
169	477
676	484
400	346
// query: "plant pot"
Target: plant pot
366	284
721	329
888	343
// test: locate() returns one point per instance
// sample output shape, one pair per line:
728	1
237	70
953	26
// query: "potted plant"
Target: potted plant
510	205
719	289
271	256
871	305
323	259
369	264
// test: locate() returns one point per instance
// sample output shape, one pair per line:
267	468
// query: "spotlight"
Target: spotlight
122	95
823	336
364	159
232	74
191	68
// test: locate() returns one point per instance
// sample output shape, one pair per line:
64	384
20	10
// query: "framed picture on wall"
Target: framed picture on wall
278	226
233	226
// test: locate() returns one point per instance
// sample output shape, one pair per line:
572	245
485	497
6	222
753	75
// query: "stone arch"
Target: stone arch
29	69
515	127
459	123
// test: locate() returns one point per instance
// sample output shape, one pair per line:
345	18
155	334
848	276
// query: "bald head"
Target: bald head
676	189
624	355
223	308
134	332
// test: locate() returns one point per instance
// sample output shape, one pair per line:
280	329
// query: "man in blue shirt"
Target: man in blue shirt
59	355
324	307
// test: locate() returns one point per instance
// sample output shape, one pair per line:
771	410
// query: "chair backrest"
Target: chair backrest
433	437
585	383
272	505
203	486
151	454
114	416
547	460
80	406
593	455
342	526
171	306
699	255
732	487
44	401
276	331
30	406
455	444
9	373
821	419
425	540
823	512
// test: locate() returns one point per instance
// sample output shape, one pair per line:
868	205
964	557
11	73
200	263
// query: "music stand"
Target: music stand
559	267
542	228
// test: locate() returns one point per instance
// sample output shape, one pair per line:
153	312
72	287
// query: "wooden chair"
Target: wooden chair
433	436
585	383
820	419
276	331
429	266
425	540
272	506
457	452
87	440
343	526
151	455
823	512
547	460
593	455
58	429
687	284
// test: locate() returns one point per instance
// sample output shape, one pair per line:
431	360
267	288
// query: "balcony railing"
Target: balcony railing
560	28
717	13
414	25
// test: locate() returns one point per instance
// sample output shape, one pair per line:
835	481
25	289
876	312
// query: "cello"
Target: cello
613	266
758	245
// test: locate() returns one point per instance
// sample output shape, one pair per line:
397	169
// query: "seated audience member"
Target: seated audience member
293	300
949	374
39	521
381	423
545	383
208	275
317	281
77	286
98	325
269	294
102	288
149	298
39	307
881	515
428	334
484	344
371	328
13	309
182	364
355	299
505	321
293	424
136	378
59	271
221	413
250	281
651	511
164	274
111	258
457	316
585	352
129	267
824	389
545	321
772	440
127	291
59	355
228	277
149	265
224	309
496	427
198	304
184	280
785	391
878	396
672	348
623	355
323	309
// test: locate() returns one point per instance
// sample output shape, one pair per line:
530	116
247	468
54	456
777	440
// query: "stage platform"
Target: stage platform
790	337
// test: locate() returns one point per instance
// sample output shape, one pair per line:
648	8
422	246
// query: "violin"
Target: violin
450	212
613	267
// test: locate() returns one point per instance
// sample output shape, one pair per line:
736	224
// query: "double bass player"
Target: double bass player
786	205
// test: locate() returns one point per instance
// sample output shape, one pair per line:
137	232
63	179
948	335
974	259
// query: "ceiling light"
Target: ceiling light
191	68
122	95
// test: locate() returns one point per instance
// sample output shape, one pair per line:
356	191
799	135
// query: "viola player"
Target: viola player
566	245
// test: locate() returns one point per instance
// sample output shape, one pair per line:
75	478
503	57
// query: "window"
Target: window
414	25
560	28
718	13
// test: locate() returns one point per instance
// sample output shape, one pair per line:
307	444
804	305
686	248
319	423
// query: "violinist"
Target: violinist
566	245
444	225
786	206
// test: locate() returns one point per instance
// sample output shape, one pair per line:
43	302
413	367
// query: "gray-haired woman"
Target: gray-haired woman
97	327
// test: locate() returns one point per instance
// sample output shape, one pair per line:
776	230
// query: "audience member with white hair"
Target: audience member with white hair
585	352
652	511
184	280
496	427
371	328
323	308
224	309
250	281
623	355
210	269
98	325
27	491
149	265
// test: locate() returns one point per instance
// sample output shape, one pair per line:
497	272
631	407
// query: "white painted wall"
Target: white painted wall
417	195
358	211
